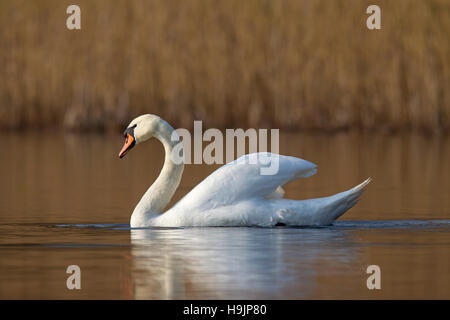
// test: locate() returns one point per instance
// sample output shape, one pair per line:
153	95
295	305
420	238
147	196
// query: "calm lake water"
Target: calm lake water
67	199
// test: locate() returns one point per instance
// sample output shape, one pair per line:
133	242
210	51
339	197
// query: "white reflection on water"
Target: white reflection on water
234	263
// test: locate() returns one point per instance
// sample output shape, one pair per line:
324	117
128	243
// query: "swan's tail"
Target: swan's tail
349	198
320	211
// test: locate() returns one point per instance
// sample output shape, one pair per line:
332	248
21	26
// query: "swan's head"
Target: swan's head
139	130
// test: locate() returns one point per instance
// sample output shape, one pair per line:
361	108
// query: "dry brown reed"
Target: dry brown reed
300	64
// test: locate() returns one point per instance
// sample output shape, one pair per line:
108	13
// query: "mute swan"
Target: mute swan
236	194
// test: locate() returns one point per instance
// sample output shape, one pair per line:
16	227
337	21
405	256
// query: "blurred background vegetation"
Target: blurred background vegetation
291	64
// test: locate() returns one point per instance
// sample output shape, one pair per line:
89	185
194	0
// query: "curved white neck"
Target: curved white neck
161	191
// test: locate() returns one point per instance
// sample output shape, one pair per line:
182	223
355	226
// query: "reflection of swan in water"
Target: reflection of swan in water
234	263
241	193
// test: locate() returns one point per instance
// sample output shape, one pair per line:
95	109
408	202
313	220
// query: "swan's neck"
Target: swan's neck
161	191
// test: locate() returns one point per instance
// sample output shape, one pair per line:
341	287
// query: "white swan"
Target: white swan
236	194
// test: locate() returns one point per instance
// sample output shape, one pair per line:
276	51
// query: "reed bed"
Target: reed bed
300	64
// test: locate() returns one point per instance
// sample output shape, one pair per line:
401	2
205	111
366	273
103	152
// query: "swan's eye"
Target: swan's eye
129	130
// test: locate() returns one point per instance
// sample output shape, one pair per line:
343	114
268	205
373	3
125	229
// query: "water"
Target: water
67	199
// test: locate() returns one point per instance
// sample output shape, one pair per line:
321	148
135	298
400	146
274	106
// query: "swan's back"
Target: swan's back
241	180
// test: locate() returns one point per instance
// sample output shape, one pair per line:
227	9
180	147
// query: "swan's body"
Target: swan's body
236	194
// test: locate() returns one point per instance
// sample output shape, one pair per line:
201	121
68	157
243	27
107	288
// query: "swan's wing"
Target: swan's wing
243	179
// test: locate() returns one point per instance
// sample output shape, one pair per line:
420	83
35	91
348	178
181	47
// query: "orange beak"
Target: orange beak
129	143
